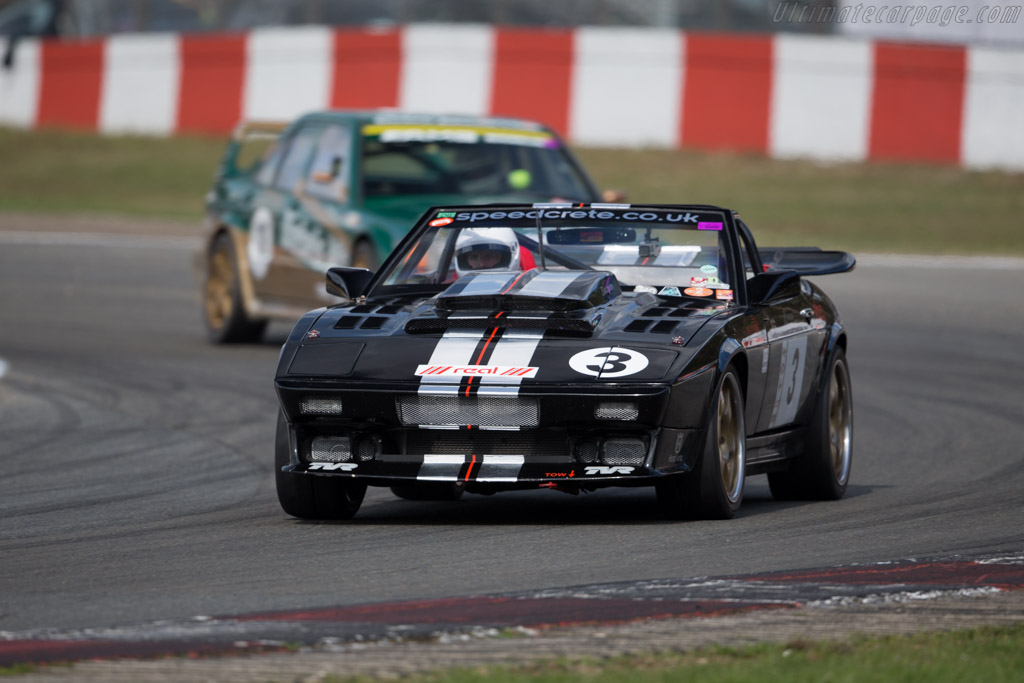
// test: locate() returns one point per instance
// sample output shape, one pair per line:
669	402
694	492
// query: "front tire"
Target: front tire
223	310
312	497
714	489
823	471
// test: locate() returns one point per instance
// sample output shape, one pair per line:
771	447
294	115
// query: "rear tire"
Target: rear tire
223	310
714	489
308	496
433	490
823	471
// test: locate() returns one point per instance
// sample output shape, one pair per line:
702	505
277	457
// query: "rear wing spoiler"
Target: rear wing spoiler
806	260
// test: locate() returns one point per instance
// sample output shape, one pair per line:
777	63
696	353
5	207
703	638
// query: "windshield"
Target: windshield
409	159
671	252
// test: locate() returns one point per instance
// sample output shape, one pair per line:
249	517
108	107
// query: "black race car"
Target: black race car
570	347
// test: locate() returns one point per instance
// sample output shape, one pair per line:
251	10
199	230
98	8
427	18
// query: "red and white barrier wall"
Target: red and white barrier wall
784	95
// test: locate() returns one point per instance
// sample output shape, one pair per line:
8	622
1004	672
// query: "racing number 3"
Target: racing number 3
613	361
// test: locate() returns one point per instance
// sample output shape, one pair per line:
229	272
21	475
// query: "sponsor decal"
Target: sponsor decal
332	466
572	473
645	288
678	340
608	362
698	281
554	211
445	214
459	134
260	248
438	222
723	294
313	334
698	291
709	269
474	370
709	225
789	390
601	469
669	291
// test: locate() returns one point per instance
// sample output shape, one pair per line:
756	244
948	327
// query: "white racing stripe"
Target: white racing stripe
500	468
549	284
96	239
514	348
487	467
454	348
441	467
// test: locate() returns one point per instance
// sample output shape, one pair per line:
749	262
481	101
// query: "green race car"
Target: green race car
341	188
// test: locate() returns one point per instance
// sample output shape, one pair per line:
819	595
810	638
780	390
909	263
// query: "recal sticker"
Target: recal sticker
476	371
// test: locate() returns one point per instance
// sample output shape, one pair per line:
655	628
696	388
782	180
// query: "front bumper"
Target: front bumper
561	443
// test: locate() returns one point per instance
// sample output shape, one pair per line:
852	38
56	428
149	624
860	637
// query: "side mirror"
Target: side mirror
776	284
347	283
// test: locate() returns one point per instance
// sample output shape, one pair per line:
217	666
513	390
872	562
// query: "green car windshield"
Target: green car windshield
670	252
431	159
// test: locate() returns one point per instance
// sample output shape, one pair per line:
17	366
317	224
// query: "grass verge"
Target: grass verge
983	654
859	207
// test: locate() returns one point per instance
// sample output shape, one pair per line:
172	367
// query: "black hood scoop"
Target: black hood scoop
569	303
533	290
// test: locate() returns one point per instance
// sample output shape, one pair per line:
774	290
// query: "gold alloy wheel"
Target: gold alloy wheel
731	439
220	278
840	419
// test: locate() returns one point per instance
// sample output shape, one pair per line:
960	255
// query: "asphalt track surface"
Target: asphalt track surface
136	482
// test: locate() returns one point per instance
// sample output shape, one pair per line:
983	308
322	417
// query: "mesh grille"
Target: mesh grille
617	410
320	405
487	443
586	451
486	411
330	449
624	452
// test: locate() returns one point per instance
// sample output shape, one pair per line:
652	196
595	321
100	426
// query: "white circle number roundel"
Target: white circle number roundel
610	361
260	248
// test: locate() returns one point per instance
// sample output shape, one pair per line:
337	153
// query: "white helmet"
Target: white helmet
486	249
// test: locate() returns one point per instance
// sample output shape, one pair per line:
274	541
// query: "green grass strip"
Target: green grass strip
989	654
858	207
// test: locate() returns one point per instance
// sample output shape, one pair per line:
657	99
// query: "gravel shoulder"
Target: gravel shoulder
891	616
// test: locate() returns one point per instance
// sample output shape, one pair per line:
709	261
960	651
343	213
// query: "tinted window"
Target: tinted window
296	159
469	160
329	174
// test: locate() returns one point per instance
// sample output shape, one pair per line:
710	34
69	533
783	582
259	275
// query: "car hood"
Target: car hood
504	329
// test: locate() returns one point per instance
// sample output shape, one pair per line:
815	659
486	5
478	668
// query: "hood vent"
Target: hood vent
557	324
533	290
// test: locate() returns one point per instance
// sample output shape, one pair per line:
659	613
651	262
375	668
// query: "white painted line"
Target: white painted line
95	239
